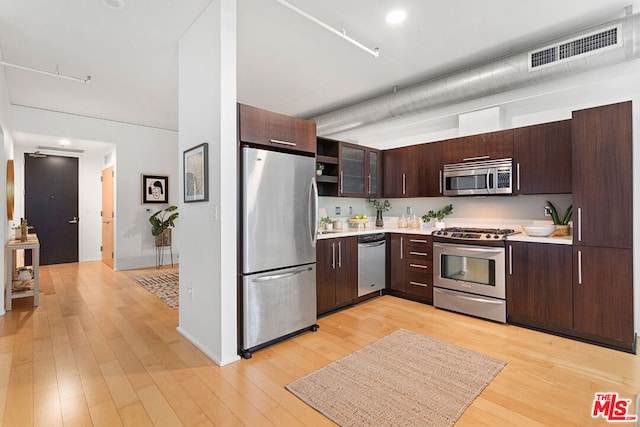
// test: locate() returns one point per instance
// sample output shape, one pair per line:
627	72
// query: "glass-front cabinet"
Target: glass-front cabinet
348	170
359	171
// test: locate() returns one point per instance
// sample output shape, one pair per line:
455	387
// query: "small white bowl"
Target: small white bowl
539	230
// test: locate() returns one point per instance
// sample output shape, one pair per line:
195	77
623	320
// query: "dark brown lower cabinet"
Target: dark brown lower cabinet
336	273
578	291
603	295
539	290
411	266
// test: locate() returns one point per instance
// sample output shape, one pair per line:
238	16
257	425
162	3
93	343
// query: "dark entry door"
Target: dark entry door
51	205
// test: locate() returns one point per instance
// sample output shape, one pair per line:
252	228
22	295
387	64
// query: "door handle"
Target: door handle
74	220
104	222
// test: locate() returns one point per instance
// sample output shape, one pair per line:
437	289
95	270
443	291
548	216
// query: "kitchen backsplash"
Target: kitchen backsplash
493	207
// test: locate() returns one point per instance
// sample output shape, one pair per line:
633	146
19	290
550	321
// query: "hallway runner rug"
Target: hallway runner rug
163	284
403	379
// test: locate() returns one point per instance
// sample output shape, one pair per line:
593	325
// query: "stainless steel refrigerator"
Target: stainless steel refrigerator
279	210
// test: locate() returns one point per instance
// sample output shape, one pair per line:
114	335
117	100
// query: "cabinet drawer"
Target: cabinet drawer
419	255
418	242
419	266
420	284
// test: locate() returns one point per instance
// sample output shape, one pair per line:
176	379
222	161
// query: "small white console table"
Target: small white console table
15	288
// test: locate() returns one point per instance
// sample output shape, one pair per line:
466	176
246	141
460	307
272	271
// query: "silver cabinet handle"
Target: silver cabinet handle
417	241
510	259
518	176
74	220
333	256
579	224
404	184
419	253
369	183
475	158
418	266
579	267
341	186
424	285
401	247
339	254
440	180
277	141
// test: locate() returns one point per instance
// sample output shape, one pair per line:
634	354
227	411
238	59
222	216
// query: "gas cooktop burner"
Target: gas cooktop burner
470	234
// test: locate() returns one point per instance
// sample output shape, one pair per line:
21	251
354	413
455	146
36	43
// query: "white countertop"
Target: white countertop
427	230
372	230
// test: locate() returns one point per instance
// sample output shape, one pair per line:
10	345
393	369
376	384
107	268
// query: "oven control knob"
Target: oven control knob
488	236
495	236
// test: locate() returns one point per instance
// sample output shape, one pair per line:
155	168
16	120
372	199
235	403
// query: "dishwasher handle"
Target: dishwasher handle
371	245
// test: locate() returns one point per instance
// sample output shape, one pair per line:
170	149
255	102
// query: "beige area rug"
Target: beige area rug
162	283
403	379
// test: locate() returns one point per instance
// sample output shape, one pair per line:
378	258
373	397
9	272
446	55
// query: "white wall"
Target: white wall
138	150
5	153
207	113
544	102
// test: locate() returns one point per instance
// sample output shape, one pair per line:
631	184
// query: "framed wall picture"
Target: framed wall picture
196	173
155	189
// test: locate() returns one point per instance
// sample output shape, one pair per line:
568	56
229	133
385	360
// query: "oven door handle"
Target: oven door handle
477	299
457	249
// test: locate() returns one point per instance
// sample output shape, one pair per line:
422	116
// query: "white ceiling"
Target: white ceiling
285	62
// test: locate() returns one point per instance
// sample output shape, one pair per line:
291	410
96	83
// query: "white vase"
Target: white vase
439	225
318	172
24	275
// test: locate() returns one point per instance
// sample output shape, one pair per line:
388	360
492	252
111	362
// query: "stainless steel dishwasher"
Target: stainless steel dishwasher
371	263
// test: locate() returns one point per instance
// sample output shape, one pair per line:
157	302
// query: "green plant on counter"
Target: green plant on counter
378	205
554	214
438	215
320	166
326	220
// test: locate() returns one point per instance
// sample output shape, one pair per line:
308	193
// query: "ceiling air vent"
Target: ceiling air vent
584	45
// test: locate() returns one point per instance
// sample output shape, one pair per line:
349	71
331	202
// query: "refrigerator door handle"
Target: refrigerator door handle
281	276
313	193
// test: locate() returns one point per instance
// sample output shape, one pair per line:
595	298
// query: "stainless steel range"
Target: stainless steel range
469	271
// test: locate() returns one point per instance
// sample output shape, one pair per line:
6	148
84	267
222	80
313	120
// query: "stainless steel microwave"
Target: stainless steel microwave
478	178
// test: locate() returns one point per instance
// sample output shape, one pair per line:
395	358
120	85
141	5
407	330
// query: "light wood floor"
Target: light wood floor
100	350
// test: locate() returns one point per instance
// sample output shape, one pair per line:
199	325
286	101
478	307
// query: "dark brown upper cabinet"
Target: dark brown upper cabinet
486	146
413	171
542	158
262	127
602	176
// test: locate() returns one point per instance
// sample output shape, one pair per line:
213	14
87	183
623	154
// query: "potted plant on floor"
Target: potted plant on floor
161	224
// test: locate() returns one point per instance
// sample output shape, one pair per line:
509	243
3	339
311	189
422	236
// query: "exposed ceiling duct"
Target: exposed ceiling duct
607	44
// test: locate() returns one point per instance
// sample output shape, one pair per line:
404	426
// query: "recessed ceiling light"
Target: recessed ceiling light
396	16
65	142
113	4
